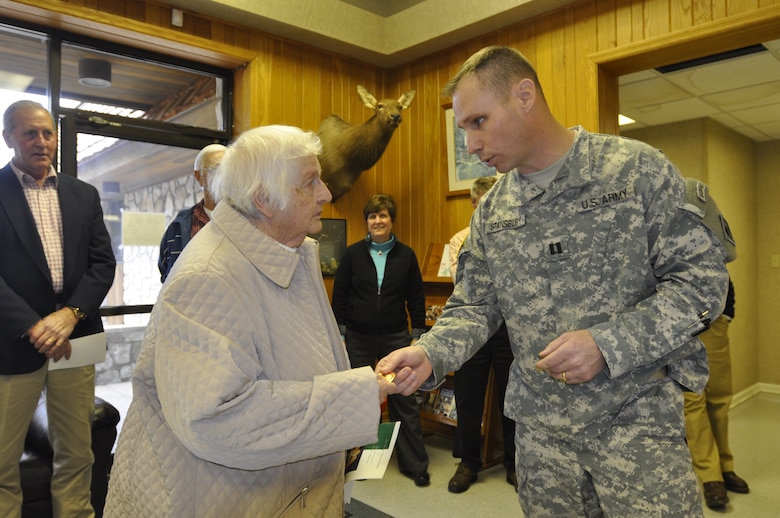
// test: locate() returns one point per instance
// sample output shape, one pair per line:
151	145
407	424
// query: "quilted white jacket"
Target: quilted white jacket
243	399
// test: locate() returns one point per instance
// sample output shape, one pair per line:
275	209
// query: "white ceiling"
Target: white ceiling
741	93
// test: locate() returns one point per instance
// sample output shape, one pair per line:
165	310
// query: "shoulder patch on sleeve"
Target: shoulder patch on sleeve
699	202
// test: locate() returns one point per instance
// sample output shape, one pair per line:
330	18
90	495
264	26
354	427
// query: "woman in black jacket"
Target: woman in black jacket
377	282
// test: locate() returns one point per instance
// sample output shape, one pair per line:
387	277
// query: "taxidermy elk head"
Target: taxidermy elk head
349	150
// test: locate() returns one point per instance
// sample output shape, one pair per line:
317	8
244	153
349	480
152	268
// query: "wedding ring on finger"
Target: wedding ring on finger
390	377
563	377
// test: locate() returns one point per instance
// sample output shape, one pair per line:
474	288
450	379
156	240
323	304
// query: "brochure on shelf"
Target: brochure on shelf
444	264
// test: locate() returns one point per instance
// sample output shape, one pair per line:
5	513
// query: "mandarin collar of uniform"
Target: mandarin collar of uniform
576	170
514	190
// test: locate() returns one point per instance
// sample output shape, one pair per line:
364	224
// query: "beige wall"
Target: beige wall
685	144
727	162
733	179
768	237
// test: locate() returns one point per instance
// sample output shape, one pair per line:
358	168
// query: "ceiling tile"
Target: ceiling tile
637	76
748	97
728	75
675	111
650	92
758	115
771	128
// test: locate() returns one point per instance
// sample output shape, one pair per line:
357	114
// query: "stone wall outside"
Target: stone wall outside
124	344
141	278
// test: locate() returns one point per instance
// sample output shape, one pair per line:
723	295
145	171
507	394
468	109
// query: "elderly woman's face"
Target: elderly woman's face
303	213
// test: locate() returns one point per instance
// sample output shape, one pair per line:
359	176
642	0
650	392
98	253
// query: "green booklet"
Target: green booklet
370	461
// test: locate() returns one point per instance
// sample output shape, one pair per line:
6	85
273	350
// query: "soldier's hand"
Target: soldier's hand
410	367
573	357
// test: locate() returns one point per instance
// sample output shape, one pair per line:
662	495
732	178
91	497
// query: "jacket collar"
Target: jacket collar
276	262
575	173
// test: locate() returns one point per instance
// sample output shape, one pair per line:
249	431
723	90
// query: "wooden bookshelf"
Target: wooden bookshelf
437	289
492	437
431	263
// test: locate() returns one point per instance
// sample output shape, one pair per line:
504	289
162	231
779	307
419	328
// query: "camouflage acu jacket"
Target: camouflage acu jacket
610	246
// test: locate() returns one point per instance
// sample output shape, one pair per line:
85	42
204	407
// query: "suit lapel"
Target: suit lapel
14	204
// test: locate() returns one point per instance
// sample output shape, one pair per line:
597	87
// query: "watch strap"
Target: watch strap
78	312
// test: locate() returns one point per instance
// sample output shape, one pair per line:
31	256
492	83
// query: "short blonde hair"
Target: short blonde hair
497	68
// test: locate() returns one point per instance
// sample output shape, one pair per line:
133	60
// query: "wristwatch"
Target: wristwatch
78	312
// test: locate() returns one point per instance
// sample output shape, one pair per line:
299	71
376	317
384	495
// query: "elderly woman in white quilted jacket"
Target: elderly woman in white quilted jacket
243	398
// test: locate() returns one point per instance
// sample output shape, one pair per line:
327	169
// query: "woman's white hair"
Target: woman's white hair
263	162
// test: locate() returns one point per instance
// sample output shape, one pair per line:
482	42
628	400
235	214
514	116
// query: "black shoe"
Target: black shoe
511	477
715	495
462	479
735	483
421	478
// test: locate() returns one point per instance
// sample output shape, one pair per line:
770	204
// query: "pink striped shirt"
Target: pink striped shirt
45	207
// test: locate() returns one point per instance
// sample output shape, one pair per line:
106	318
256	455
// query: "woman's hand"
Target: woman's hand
386	386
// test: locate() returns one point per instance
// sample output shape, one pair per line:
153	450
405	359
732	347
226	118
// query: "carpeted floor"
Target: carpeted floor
357	509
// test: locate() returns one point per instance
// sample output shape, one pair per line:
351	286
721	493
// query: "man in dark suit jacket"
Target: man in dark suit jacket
56	267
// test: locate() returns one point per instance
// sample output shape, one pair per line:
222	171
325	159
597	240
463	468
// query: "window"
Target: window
131	124
23	71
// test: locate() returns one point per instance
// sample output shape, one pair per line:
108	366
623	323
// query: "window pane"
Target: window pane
110	83
23	72
142	187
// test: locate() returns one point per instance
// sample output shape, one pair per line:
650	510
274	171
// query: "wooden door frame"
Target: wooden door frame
718	36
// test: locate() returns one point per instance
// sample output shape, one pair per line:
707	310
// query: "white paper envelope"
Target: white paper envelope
86	350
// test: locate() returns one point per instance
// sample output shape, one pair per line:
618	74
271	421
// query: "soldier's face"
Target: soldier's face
493	126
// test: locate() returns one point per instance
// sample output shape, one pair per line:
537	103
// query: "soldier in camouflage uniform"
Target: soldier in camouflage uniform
596	253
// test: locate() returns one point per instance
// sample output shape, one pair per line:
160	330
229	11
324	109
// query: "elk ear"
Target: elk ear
406	99
369	101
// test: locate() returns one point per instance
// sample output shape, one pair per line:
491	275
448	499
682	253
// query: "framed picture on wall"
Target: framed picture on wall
333	244
463	168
